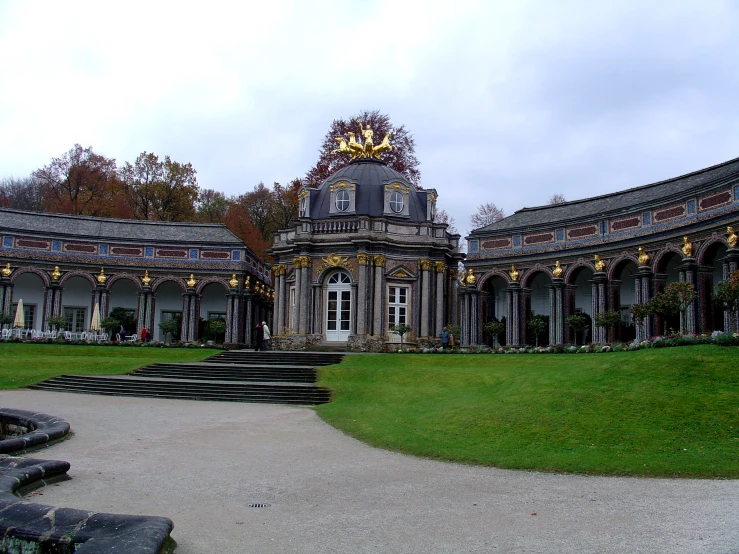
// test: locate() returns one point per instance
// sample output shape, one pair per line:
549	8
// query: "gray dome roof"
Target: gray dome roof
370	177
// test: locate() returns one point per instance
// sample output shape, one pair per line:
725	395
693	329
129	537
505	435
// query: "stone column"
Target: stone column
599	304
304	299
731	264
453	289
281	300
6	296
464	319
514	307
474	307
642	294
557	311
233	315
363	261
298	263
145	310
378	315
425	266
614	305
689	274
248	314
440	273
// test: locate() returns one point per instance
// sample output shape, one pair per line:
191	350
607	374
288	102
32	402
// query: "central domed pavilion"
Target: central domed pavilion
365	254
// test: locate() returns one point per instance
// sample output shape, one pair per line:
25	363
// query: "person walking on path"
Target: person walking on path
258	337
265	336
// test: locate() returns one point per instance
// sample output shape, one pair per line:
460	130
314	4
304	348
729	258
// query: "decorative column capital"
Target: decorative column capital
305	261
379	261
425	264
453	274
298	262
440	267
362	259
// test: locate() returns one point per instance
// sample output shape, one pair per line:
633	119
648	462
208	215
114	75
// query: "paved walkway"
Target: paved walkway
203	463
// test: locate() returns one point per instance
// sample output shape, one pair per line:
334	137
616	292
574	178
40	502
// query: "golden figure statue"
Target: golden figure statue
102	277
471	279
600	265
191	282
513	273
643	256
146	279
365	150
687	247
557	272
7	271
56	273
246	283
234	282
732	238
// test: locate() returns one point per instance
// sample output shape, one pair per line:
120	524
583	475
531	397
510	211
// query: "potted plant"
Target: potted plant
400	330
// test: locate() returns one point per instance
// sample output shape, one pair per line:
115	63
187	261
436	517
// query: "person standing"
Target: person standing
258	337
444	337
121	334
265	336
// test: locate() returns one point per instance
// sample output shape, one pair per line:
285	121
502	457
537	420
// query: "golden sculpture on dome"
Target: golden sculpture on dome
643	256
56	273
191	282
102	277
732	238
600	265
367	149
7	271
687	247
234	282
557	271
513	273
146	279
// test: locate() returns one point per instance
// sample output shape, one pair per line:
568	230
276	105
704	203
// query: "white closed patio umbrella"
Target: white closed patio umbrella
20	318
95	322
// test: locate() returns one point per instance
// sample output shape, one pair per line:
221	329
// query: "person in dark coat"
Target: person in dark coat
258	336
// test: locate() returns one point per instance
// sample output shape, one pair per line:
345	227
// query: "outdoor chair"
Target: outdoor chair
6	333
132	338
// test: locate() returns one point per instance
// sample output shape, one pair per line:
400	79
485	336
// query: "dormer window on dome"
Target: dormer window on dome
397	200
342	198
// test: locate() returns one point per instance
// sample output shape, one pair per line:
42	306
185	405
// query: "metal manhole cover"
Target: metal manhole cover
257	505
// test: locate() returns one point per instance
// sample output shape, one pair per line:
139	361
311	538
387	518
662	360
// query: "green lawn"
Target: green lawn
661	412
23	364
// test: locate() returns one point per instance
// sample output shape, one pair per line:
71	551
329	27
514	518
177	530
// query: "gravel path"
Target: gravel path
203	463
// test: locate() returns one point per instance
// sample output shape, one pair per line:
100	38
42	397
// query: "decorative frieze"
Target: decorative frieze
582	232
215	255
625	224
126	251
539	238
170	253
714	201
497	244
78	248
667	214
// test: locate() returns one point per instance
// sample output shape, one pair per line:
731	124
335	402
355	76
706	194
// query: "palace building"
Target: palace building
605	254
64	265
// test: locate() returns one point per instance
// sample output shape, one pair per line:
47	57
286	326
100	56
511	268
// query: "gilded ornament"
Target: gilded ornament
471	279
513	273
305	261
379	261
102	277
687	247
600	265
463	277
366	149
453	274
362	259
302	194
440	267
334	260
425	264
7	271
643	256
246	283
146	279
732	238
297	262
234	282
191	282
557	272
56	273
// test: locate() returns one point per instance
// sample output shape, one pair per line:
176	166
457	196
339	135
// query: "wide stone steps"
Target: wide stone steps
229	372
276	358
227	391
237	376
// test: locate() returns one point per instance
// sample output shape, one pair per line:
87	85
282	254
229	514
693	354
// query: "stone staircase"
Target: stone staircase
233	376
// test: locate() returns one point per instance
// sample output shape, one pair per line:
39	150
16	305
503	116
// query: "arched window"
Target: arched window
338	278
396	202
342	200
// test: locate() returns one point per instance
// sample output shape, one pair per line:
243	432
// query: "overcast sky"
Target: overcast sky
509	102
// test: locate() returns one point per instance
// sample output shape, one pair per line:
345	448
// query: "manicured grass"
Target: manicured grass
22	364
659	412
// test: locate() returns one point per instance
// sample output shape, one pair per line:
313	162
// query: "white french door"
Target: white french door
338	307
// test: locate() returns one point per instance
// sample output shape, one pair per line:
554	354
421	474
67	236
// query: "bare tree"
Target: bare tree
486	214
443	217
26	193
558	198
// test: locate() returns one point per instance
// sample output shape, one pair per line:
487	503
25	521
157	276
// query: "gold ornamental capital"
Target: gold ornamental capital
102	277
440	267
379	261
453	274
305	261
297	262
362	259
425	264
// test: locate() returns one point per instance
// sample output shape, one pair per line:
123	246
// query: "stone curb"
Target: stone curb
29	527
